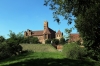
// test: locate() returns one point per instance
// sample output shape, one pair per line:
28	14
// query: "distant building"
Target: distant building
46	33
75	37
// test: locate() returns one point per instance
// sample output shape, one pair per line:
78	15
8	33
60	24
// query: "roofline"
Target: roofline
74	33
37	30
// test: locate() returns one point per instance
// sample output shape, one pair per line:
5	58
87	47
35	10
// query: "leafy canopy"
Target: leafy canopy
87	20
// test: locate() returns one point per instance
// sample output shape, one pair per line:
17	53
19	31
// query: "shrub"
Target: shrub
48	41
78	42
9	48
74	51
55	41
62	40
31	39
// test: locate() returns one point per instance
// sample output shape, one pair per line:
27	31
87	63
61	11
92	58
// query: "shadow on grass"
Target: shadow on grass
54	62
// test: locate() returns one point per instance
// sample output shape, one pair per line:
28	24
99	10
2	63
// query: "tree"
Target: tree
31	39
55	41
34	40
62	41
2	39
14	42
87	20
68	31
48	41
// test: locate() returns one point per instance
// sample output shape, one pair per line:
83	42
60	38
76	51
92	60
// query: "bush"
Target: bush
55	41
62	40
9	48
30	40
48	41
78	42
74	51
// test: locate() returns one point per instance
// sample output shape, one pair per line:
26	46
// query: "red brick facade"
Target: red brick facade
74	38
45	34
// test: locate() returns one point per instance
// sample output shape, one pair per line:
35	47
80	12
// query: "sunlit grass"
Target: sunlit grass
32	55
44	55
39	47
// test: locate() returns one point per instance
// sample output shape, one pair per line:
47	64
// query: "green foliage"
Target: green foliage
10	46
34	40
48	41
90	31
19	38
45	59
4	51
74	51
87	20
31	39
55	41
2	39
68	31
78	42
15	46
25	40
62	41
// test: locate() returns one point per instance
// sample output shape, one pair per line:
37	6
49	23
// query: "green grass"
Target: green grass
39	47
45	59
30	56
44	55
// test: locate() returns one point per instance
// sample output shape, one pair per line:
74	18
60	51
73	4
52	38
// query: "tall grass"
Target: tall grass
39	47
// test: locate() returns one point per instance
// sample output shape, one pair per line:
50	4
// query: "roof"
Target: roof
74	37
59	32
41	32
36	33
52	30
48	31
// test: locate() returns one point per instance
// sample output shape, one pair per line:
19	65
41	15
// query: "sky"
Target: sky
20	15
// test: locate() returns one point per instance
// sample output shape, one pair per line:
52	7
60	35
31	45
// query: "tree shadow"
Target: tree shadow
54	62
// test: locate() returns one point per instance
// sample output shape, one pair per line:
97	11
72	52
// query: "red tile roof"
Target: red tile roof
74	37
37	33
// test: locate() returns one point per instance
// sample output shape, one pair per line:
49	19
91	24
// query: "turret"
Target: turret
45	24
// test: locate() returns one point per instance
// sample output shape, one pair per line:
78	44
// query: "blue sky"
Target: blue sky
20	15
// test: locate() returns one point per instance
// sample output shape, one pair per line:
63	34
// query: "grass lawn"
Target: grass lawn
45	58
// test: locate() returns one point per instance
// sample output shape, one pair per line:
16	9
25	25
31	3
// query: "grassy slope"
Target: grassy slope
31	56
44	58
39	47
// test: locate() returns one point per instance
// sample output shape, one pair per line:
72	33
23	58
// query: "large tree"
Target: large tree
87	20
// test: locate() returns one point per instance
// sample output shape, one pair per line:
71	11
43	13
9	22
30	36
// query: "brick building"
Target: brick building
75	37
46	33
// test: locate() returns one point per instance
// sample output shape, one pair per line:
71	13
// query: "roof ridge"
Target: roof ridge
38	30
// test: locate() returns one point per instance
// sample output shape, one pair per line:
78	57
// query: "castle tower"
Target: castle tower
59	35
45	24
